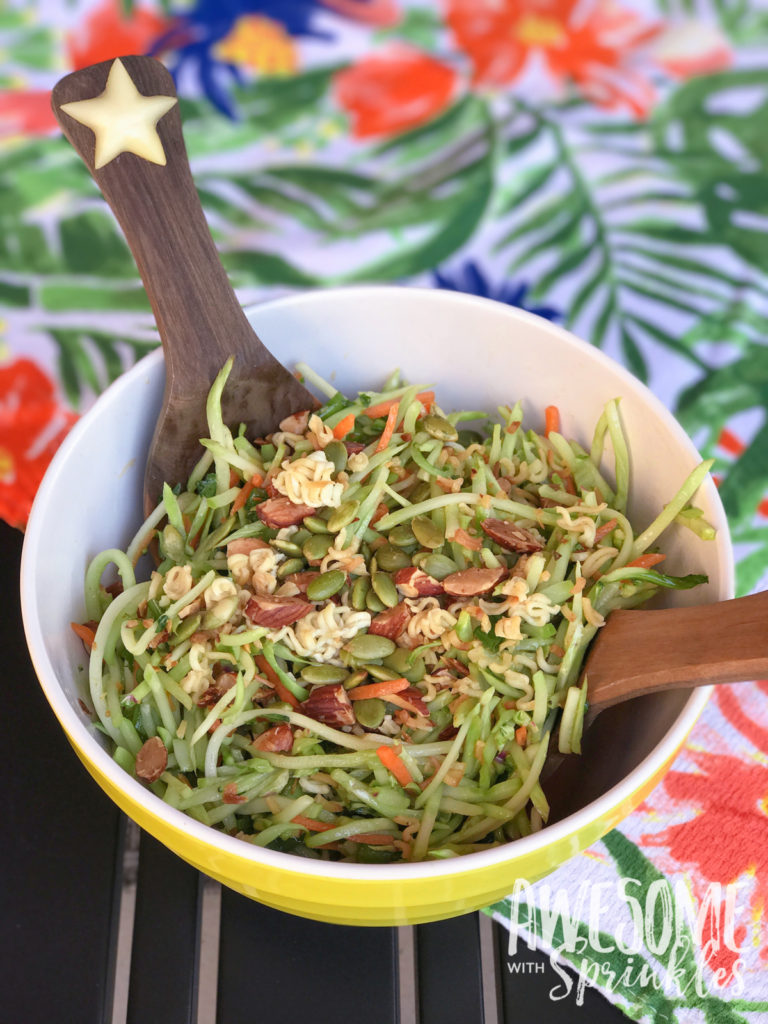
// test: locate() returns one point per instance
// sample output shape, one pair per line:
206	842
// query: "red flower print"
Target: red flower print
26	112
732	703
32	426
393	91
728	836
107	32
381	13
590	44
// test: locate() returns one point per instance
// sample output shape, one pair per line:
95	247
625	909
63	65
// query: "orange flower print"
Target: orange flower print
607	51
108	32
590	44
691	48
728	836
32	426
394	90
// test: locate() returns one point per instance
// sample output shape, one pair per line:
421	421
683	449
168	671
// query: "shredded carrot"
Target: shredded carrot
461	536
245	491
382	409
389	428
234	478
568	484
646	561
521	735
605	529
343	427
283	692
372	839
88	635
551	419
391	761
192	541
312	823
379	689
146	541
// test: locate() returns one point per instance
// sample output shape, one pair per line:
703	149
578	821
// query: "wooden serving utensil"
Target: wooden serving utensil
122	117
642	652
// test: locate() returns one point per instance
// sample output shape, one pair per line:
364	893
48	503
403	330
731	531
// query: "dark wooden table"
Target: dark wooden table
100	924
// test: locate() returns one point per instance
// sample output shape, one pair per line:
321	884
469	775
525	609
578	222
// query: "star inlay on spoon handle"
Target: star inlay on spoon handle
122	117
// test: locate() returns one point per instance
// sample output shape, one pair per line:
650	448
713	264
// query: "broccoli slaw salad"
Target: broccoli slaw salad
365	632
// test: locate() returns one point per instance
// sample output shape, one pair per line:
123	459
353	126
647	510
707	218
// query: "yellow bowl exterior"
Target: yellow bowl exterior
370	901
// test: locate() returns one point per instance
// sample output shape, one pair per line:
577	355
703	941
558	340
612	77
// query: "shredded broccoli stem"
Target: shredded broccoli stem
264	657
94	596
691	485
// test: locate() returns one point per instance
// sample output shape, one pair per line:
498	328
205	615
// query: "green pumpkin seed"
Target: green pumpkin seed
300	536
352	663
323	674
187	627
343	516
357	677
288	547
374	603
336	452
439	566
440	428
369	647
288	566
316	548
360	589
468	437
380	672
385	589
370	713
326	585
402	536
390	558
399	661
420	492
172	544
426	532
316	525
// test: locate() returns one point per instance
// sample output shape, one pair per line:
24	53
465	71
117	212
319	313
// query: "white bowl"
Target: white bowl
477	353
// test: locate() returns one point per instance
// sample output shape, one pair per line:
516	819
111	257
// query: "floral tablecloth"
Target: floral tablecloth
602	163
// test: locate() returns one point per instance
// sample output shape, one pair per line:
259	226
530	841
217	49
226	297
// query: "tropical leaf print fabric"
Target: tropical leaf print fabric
599	162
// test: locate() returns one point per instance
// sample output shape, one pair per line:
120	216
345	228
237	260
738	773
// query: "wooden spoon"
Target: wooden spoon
130	139
646	651
639	652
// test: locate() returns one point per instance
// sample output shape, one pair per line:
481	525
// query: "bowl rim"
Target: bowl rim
81	735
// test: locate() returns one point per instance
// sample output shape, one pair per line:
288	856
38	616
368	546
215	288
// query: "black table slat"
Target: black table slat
531	986
277	967
164	956
59	863
449	971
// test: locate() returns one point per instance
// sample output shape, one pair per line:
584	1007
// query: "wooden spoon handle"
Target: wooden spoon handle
156	203
641	652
